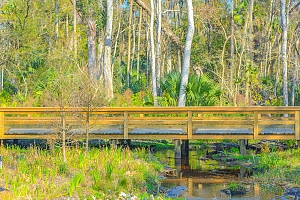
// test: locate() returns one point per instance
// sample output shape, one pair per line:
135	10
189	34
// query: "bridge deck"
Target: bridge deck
154	132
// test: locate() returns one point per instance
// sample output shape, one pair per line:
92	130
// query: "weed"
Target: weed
62	168
76	180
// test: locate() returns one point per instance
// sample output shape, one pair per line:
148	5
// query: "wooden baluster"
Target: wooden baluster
125	125
200	115
297	127
255	125
190	124
1	126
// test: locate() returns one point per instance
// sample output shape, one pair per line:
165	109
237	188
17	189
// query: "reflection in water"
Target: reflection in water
205	178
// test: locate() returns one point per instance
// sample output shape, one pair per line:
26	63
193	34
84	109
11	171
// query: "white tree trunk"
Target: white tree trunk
107	52
187	54
158	46
153	68
295	72
92	48
284	16
129	45
74	30
138	44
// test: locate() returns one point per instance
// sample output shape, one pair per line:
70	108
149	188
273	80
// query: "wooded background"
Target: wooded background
139	52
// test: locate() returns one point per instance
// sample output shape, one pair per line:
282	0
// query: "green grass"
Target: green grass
278	167
102	173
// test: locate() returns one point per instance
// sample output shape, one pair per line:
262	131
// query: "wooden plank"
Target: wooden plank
223	118
157	118
190	124
222	126
214	131
270	122
158	126
234	122
139	110
221	137
25	136
145	122
1	125
157	131
125	130
158	137
297	125
255	125
275	137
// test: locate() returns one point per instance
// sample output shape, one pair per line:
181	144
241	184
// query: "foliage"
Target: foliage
102	173
200	90
236	187
279	167
35	39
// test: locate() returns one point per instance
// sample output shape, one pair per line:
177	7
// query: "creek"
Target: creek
205	178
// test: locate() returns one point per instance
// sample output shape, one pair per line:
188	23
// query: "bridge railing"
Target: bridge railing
152	122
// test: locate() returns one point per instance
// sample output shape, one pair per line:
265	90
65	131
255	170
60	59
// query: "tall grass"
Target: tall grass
278	167
101	174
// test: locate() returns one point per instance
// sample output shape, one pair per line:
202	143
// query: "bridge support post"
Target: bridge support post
185	154
243	150
297	128
1	128
177	144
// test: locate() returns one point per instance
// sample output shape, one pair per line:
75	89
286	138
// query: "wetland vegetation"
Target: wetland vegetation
120	173
99	174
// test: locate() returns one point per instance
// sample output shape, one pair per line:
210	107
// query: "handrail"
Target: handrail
157	109
130	120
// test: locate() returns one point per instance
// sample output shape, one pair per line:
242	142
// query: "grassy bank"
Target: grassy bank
100	174
279	167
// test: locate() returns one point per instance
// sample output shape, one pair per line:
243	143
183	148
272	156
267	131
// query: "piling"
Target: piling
177	144
185	154
243	150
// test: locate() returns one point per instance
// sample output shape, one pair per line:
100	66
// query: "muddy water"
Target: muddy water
204	179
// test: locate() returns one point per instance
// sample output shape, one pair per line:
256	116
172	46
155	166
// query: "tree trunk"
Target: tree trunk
232	95
74	30
284	15
250	54
278	66
107	52
139	43
165	27
100	57
92	48
153	68
129	45
56	20
187	54
295	70
158	47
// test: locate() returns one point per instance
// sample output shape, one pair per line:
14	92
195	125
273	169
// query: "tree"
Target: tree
108	82
153	66
284	23
92	67
187	54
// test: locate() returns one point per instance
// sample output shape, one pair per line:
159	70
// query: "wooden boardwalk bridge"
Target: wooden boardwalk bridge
183	123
